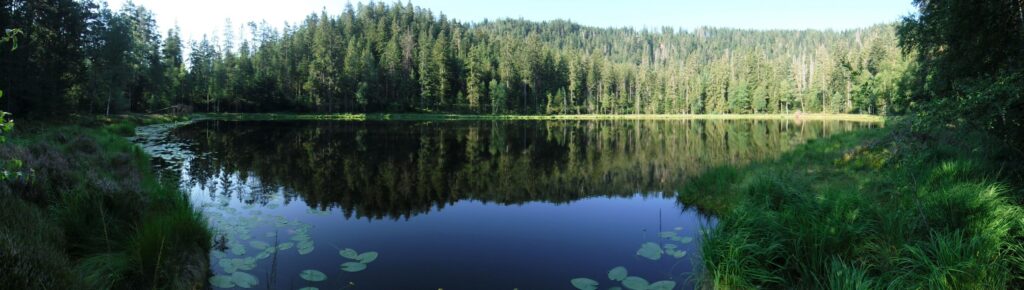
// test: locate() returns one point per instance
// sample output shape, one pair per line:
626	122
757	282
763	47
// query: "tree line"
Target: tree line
80	56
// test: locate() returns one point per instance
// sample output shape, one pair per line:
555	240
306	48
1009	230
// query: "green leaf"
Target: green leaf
353	267
662	285
222	281
635	283
367	257
227	265
650	251
259	245
667	234
618	273
244	280
349	253
237	248
584	284
285	246
305	250
313	275
686	240
679	254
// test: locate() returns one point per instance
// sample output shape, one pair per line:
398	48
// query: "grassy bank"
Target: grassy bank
87	213
885	208
443	117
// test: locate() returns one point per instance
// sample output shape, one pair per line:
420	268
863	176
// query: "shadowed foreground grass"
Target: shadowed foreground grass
87	213
884	208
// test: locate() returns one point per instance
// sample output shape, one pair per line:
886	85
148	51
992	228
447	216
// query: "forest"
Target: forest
80	56
924	191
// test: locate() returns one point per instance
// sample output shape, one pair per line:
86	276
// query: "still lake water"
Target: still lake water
456	204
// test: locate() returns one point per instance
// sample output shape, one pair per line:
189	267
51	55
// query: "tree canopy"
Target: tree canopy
82	57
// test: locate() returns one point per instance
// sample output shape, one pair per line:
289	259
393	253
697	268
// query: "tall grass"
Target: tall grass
886	208
92	215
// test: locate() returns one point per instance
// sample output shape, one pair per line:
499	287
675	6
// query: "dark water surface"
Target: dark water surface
457	204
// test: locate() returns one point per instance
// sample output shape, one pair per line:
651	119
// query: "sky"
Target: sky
198	17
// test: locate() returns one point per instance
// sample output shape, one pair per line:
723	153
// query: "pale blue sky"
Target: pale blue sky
197	17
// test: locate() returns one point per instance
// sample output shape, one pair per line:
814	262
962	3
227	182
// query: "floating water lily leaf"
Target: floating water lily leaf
263	255
635	283
244	280
669	247
678	229
227	265
353	267
305	250
349	253
285	246
222	281
650	251
260	245
304	244
662	285
584	283
686	240
618	273
309	288
367	257
300	237
313	275
667	234
679	254
237	248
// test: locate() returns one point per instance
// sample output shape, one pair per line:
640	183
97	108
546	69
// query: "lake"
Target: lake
457	204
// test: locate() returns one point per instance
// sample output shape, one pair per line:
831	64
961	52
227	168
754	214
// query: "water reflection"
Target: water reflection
401	169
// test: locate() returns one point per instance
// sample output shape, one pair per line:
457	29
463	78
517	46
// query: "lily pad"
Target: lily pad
367	257
618	273
305	250
349	253
237	248
635	283
285	246
650	251
678	254
313	275
662	285
222	281
669	247
227	265
300	237
259	245
667	234
263	255
244	280
584	283
309	288
678	229
686	240
353	267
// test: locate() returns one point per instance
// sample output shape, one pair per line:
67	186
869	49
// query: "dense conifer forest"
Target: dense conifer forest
79	56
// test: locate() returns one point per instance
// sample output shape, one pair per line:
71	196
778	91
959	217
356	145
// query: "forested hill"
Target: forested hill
76	56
